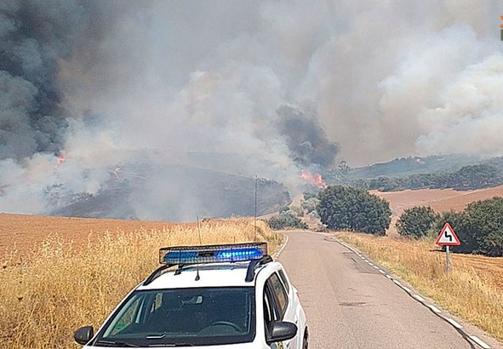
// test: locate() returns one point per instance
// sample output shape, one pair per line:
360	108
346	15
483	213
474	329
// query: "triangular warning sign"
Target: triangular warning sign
447	237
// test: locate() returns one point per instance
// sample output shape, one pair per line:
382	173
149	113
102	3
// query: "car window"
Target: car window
269	315
127	317
191	316
279	293
283	278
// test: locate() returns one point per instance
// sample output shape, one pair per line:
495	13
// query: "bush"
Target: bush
297	210
416	222
310	204
309	195
347	208
285	220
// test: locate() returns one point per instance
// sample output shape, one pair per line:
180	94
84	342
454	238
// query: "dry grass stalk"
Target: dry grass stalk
64	286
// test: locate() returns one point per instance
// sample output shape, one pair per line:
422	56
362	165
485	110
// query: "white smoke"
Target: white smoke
168	79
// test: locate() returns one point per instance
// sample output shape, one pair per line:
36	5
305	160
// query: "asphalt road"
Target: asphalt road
349	304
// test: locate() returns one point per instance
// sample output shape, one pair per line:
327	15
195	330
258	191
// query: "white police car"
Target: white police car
218	296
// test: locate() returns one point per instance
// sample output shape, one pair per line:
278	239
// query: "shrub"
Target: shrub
416	222
348	208
297	210
285	220
310	204
309	195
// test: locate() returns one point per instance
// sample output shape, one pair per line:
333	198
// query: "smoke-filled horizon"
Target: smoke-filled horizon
282	85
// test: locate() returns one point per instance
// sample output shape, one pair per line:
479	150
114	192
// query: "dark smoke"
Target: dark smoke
34	36
306	140
177	78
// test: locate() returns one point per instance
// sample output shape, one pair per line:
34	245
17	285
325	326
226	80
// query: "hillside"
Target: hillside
414	165
175	193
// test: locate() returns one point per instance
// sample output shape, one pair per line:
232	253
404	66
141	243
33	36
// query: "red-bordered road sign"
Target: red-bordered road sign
447	237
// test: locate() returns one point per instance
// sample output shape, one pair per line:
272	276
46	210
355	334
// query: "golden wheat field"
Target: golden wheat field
61	284
473	290
25	233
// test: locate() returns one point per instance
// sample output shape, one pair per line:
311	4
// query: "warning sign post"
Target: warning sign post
447	238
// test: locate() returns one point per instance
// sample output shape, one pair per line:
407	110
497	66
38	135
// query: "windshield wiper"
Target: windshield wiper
116	343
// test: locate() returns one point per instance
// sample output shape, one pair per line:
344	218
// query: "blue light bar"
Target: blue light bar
212	253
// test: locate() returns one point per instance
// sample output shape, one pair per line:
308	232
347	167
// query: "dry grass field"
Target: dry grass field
25	233
473	290
441	200
73	279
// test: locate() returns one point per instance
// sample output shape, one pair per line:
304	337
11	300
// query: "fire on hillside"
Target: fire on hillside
313	178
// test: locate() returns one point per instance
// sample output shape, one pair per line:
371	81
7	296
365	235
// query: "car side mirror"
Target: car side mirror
281	331
83	335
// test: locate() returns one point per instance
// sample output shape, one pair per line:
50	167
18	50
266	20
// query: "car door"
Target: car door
282	308
294	306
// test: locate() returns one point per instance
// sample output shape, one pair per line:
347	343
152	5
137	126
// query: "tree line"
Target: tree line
479	226
467	178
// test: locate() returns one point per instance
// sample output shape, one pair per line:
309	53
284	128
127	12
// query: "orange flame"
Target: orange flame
314	179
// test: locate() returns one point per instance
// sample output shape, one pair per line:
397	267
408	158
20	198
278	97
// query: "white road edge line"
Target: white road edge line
277	254
454	323
434	308
419	298
480	342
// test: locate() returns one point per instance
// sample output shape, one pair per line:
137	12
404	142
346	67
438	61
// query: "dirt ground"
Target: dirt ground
25	232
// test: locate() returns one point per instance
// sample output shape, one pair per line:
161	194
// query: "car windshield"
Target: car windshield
179	317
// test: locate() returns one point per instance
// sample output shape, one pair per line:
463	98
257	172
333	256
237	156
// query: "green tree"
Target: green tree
348	208
485	220
416	222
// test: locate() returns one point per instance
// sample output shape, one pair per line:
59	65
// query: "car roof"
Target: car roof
210	275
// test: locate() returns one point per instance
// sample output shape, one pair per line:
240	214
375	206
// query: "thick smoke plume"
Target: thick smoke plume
34	35
306	140
247	88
